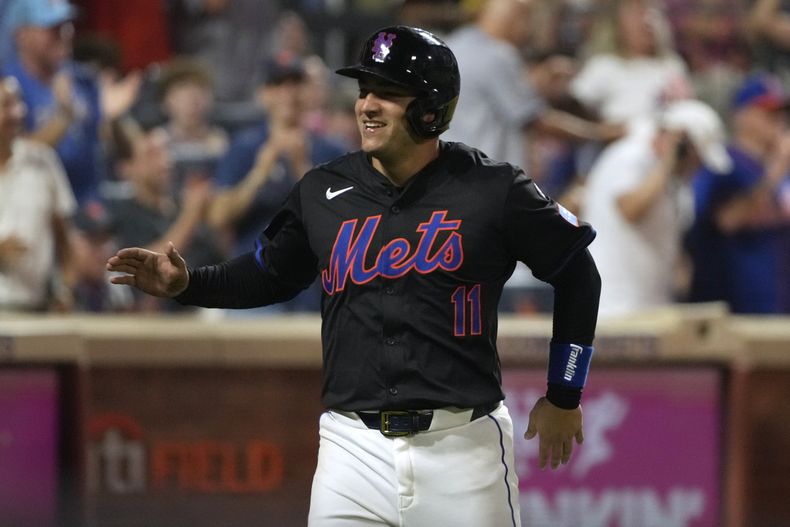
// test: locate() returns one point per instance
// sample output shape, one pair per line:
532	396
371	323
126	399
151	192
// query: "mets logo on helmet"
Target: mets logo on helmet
381	47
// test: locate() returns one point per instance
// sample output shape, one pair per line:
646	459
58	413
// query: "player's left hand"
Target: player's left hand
556	429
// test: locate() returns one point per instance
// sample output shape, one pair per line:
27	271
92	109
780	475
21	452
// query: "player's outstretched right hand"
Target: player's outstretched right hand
157	274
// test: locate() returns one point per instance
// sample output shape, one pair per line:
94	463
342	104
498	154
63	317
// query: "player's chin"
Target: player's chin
371	145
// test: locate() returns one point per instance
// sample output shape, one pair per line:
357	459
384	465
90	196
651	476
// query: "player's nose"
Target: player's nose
370	103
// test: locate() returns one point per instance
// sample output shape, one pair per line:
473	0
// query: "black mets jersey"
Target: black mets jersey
411	276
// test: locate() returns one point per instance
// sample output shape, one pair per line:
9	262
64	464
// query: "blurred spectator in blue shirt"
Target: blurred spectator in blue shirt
265	161
66	102
739	238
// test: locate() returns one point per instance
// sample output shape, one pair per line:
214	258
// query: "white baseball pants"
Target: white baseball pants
456	474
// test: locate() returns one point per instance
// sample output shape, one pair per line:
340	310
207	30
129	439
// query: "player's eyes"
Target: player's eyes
382	93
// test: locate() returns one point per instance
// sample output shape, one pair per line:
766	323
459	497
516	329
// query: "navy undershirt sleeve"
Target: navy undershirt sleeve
238	283
577	288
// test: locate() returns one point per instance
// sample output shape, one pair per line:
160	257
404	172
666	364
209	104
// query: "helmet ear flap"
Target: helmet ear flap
415	114
420	107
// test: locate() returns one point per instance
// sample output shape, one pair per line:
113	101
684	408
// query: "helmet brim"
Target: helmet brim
358	70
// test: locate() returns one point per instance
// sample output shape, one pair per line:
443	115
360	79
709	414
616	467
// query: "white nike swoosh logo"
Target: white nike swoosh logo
332	195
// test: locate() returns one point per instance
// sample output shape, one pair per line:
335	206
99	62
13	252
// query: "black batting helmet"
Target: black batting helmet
416	59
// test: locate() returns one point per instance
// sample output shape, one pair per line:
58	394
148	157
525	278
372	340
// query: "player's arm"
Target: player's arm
577	288
282	266
236	284
557	418
552	242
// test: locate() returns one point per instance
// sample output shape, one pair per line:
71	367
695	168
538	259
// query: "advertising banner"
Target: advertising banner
193	447
200	447
28	447
651	455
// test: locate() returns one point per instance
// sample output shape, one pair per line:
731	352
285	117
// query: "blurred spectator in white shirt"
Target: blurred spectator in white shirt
639	200
36	202
631	68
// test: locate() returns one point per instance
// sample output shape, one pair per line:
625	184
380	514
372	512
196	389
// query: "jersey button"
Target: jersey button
390	341
389	290
395	209
393	391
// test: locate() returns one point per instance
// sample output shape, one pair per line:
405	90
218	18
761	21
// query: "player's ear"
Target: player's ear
428	117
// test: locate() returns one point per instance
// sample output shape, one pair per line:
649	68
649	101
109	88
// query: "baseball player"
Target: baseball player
412	239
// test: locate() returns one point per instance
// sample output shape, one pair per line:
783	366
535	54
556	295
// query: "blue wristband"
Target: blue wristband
569	364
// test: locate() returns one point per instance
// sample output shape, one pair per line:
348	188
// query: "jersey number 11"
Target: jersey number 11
459	299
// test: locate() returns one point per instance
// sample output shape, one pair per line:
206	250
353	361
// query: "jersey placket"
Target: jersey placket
391	294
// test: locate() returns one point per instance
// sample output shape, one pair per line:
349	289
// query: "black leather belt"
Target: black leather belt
399	423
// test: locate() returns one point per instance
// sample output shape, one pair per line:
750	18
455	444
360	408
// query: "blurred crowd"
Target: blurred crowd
661	122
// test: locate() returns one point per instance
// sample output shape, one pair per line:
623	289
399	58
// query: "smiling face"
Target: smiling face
381	118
